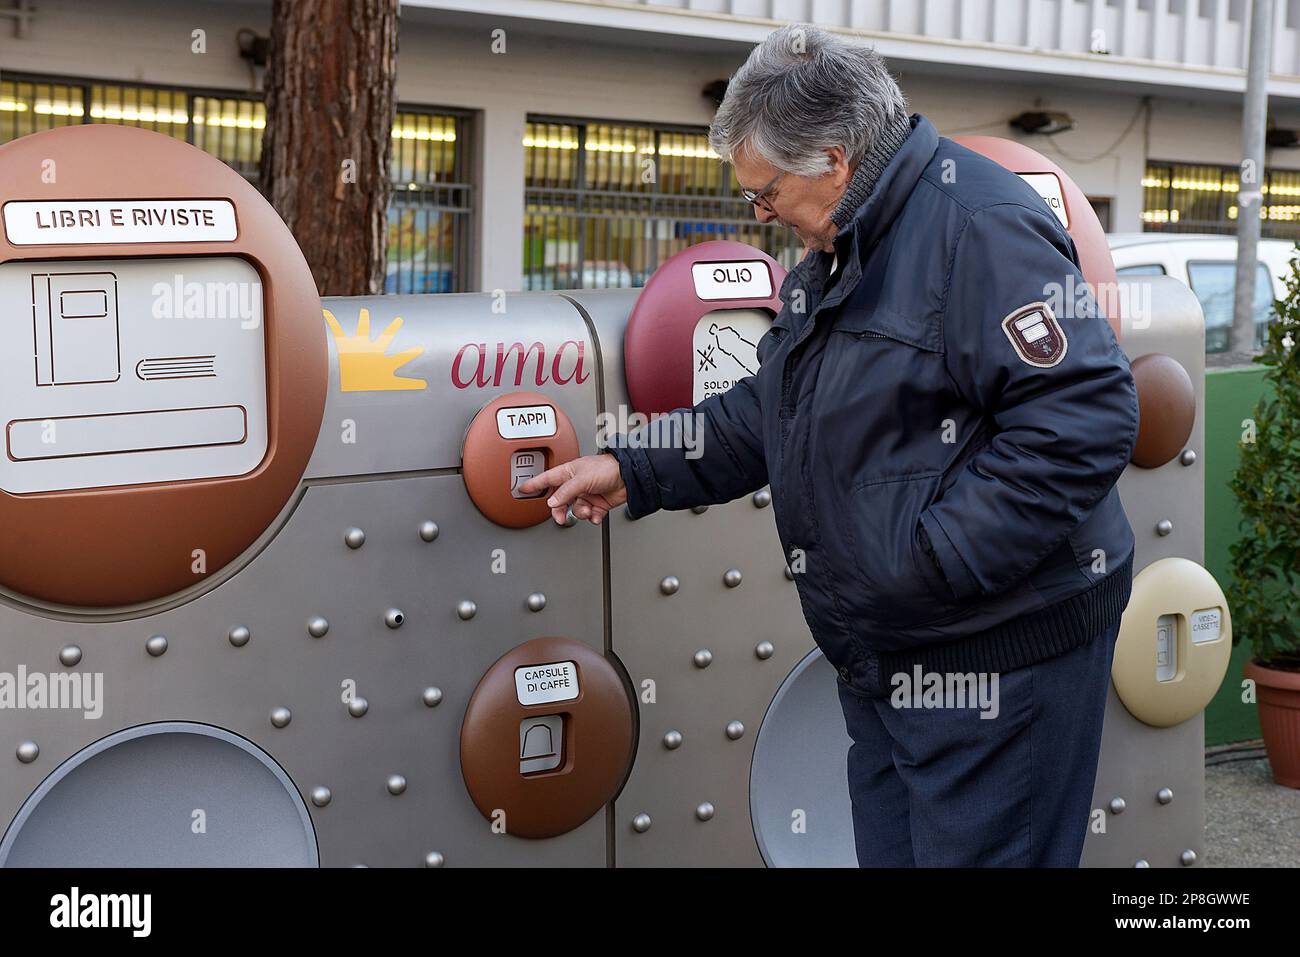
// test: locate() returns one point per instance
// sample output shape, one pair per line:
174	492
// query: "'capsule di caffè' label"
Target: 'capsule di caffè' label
542	684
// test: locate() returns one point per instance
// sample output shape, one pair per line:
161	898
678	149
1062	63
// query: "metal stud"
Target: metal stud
764	650
789	573
1188	457
705	811
570	519
354	537
1164	527
703	658
317	627
320	796
466	610
428	530
396	784
735	730
156	646
762	498
1164	795
393	618
281	717
673	740
433	859
432	697
1117	805
641	823
239	636
28	752
70	656
1187	858
669	585
1142	862
358	706
536	601
699	509
731	577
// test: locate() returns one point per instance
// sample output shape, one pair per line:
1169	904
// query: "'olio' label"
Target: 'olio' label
738	280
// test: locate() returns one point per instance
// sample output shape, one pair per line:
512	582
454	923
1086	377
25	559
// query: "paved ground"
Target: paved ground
1249	820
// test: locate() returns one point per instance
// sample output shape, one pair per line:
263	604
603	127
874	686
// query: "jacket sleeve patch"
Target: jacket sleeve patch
1035	334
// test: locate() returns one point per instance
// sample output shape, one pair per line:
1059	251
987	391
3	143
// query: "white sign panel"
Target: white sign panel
738	280
1206	625
127	372
526	422
725	348
1048	186
543	684
115	221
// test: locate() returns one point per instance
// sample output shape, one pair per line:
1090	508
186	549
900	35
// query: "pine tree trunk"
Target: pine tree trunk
328	140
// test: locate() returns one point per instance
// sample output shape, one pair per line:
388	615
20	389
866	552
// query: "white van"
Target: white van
1208	264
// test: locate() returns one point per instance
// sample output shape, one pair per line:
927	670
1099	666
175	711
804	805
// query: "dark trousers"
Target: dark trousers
943	787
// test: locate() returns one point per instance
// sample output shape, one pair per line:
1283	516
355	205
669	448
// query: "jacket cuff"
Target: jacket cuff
638	476
959	578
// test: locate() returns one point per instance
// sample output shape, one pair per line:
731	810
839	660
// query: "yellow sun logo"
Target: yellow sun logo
365	365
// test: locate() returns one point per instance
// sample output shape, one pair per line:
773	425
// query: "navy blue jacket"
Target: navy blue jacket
942	423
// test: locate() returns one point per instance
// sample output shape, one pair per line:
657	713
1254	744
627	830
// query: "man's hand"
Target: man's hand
592	484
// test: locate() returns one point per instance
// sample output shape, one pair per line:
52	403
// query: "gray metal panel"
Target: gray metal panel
608	311
1173	491
657	637
164	795
1138	760
309	571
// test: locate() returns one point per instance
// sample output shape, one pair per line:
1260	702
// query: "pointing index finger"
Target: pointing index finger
549	479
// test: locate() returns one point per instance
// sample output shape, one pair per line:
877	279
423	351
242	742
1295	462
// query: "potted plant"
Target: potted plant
1266	559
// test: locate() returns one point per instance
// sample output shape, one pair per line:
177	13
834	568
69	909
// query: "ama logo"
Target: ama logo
477	366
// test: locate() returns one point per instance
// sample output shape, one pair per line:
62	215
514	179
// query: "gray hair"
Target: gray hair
802	91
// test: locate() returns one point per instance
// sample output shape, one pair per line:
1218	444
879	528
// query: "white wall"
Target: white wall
144	40
150	41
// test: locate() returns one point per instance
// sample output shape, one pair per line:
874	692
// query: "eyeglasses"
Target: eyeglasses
753	198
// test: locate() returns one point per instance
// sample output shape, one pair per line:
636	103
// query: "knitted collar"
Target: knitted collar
870	169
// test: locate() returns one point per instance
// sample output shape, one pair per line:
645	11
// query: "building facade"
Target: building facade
544	144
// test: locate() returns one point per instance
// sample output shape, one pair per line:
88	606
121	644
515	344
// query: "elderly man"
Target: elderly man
942	450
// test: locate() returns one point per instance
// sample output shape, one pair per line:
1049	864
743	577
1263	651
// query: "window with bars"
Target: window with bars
229	127
606	203
429	213
428	216
1183	198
